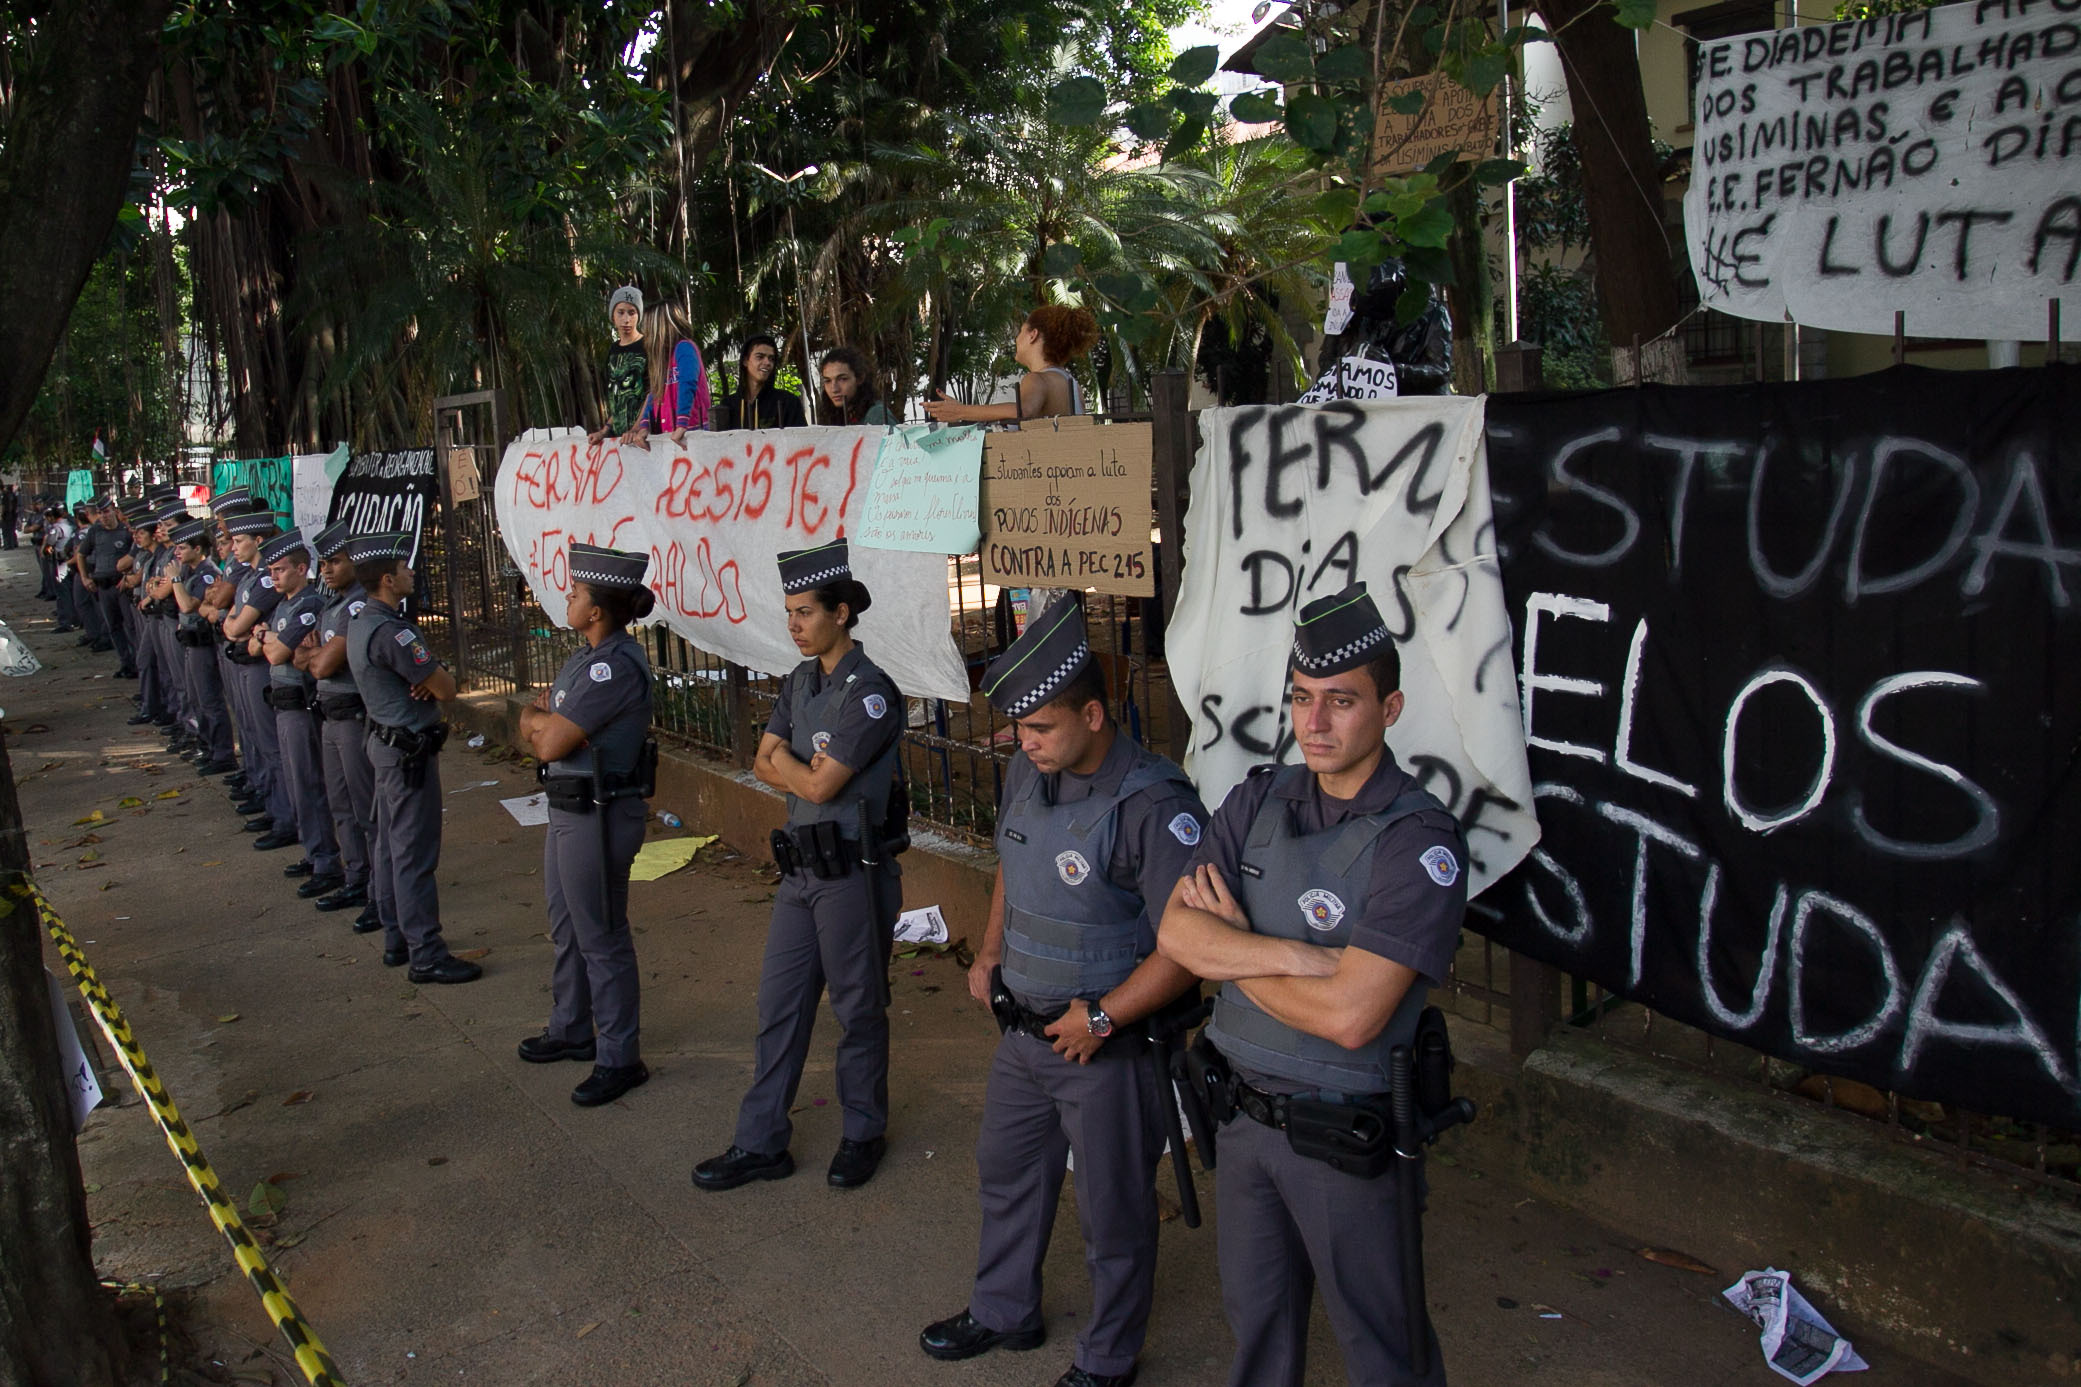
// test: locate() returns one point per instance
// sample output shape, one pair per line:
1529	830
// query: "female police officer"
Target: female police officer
832	746
589	730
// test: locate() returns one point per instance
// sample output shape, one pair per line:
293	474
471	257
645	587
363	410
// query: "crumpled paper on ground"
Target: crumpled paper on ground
1798	1343
663	856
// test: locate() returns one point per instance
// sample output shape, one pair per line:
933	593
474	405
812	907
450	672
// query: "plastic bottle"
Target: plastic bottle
476	741
669	819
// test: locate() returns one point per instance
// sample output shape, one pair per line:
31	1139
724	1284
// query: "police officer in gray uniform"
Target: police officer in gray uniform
1326	898
150	553
187	585
102	550
402	686
832	746
292	631
249	785
1093	832
350	781
590	732
252	603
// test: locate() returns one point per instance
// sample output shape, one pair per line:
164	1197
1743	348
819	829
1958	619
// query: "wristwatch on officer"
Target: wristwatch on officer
1101	1024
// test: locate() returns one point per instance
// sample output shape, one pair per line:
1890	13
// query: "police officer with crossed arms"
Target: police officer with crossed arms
1326	898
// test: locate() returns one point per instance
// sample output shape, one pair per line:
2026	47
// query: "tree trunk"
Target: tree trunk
56	1325
1622	190
1472	296
66	149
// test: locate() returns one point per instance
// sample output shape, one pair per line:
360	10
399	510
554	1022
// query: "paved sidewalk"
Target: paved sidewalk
451	1216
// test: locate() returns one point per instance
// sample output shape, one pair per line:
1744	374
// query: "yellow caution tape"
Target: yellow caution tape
311	1356
158	1307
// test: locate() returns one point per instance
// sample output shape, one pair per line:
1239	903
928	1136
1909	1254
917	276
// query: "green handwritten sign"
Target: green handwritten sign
269	479
922	496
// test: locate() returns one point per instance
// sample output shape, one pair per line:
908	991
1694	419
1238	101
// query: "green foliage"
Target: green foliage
1634	14
111	373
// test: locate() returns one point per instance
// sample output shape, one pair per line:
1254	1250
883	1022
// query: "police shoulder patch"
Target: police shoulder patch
600	672
307	617
1442	866
420	654
406	635
267	582
1072	867
1185	829
354	607
819	740
875	705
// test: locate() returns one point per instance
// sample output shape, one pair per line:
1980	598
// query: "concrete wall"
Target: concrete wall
1976	1274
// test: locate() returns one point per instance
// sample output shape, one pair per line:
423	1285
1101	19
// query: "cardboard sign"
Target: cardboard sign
1069	508
462	474
1453	121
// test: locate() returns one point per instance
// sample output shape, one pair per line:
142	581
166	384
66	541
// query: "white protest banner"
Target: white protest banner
311	478
1294	502
1927	162
713	515
926	480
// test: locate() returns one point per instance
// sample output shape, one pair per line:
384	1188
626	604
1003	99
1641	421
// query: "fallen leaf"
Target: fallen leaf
128	802
588	1329
437	1160
87	866
292	1240
110	885
298	1098
213	864
227	1018
473	953
284	1176
93	1189
93	818
168	794
265	1199
1681	1261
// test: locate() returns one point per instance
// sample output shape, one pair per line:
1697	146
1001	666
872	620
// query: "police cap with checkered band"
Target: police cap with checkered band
805	570
600	567
1338	633
1049	653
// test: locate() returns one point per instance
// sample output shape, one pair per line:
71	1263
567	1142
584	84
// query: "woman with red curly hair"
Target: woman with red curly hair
1050	338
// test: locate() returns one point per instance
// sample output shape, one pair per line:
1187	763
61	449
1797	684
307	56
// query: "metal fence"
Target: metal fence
478	606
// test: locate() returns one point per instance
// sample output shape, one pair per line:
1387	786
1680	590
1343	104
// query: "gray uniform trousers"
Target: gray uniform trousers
350	793
1039	1108
154	699
593	985
262	748
206	701
1287	1220
832	932
88	603
303	770
116	613
405	851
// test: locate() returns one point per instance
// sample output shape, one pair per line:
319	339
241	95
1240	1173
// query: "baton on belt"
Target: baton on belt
600	803
1160	1053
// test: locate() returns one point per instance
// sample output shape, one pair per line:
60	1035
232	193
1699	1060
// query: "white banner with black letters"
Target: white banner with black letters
1291	503
1927	162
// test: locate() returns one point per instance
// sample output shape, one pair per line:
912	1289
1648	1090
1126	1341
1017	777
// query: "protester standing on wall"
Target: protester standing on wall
849	396
757	403
679	399
1051	337
590	730
628	373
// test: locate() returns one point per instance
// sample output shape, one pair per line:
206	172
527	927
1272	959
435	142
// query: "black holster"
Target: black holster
285	698
822	851
340	707
416	747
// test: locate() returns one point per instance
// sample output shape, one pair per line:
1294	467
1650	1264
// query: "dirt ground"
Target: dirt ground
450	1216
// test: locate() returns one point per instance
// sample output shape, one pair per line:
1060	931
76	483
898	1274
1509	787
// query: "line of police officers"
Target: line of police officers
311	694
1322	898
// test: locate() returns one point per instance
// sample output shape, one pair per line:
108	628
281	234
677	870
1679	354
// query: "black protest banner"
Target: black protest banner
387	492
1802	687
